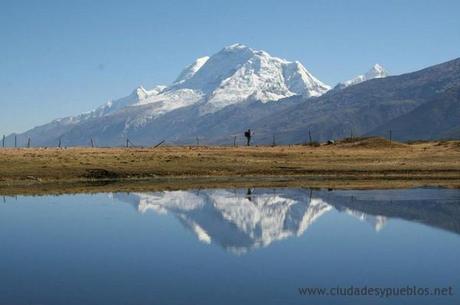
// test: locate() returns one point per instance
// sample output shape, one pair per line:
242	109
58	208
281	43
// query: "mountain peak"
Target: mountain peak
376	71
140	92
235	47
238	73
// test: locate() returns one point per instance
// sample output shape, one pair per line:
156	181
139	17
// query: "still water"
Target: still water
230	246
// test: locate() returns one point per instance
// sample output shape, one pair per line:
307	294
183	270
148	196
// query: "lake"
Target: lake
232	246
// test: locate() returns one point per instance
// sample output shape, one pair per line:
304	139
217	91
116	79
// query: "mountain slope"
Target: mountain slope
435	119
190	70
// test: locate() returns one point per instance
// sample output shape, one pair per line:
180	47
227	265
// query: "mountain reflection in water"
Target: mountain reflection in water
240	220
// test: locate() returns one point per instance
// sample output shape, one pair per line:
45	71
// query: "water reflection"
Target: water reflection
241	220
88	249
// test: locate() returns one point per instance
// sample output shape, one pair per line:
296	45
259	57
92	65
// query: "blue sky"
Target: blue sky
60	58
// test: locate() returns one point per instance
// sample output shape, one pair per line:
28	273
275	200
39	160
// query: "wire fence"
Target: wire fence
274	139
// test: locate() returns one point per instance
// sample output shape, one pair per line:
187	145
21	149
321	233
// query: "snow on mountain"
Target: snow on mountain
235	74
238	73
377	71
138	97
190	70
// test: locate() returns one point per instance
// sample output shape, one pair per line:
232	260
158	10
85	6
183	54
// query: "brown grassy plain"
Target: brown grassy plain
365	163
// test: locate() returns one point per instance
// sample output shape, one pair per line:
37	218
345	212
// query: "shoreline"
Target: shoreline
186	183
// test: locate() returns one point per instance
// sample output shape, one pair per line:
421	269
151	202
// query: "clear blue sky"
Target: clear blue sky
60	58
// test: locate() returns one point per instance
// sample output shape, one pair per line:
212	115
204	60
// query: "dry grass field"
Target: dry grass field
363	163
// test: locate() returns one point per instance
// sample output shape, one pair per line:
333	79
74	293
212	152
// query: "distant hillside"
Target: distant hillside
437	118
369	107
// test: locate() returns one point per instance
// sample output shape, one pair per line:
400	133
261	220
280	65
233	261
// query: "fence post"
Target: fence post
234	141
351	135
197	141
390	136
15	141
309	136
59	144
127	142
3	142
28	142
92	142
274	141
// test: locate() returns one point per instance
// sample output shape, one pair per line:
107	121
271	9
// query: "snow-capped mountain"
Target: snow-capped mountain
377	71
238	73
217	98
235	75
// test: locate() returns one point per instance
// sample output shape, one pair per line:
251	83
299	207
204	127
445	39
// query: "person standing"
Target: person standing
248	136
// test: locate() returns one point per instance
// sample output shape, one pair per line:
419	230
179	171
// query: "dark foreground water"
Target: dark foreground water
256	246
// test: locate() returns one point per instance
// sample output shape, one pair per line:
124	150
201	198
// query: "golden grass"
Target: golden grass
370	161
